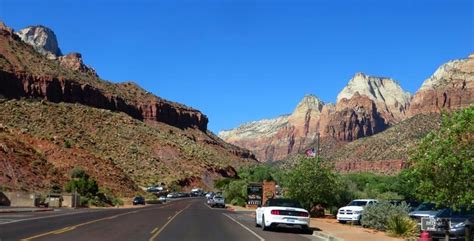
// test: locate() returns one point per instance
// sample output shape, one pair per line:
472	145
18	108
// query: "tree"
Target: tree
443	163
82	183
312	182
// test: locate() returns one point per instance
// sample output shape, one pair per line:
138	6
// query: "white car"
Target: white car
281	212
352	212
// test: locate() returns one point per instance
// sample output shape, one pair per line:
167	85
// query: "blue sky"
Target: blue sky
239	61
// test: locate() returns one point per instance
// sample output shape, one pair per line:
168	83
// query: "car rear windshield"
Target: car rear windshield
357	203
284	203
426	207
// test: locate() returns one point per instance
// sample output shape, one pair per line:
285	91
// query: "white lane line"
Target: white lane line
80	212
243	226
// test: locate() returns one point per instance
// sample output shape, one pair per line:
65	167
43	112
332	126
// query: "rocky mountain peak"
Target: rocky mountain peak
455	69
376	88
42	39
450	87
309	102
391	100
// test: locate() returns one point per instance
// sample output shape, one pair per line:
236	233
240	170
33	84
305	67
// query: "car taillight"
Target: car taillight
303	214
275	212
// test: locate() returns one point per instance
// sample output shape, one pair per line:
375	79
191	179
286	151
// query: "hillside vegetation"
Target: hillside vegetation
144	153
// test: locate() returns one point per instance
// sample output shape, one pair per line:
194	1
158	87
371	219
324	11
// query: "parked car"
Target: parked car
281	212
172	195
218	201
210	195
425	210
454	221
154	189
353	211
162	199
210	201
138	200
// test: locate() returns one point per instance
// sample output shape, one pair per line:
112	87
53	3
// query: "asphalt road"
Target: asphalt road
187	219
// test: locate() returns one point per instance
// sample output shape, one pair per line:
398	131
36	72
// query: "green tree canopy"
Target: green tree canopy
443	163
312	182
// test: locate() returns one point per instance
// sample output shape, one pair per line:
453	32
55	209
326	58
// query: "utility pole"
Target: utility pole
317	145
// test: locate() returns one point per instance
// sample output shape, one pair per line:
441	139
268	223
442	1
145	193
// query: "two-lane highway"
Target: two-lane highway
187	219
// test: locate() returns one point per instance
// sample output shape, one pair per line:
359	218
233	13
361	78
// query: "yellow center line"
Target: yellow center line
69	228
154	230
152	238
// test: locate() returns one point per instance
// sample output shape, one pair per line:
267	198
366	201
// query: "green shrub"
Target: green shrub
67	144
402	226
236	189
238	201
377	216
84	201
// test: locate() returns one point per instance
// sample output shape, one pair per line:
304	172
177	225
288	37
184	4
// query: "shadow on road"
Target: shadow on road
294	230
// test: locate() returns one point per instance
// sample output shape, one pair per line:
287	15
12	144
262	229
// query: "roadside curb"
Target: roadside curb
321	236
26	210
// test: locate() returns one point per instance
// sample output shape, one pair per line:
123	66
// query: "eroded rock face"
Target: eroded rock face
74	61
391	100
354	118
450	87
17	81
274	139
42	39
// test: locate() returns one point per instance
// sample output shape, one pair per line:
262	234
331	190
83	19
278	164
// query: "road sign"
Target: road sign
254	194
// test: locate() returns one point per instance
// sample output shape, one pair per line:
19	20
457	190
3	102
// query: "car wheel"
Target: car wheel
306	230
264	227
256	224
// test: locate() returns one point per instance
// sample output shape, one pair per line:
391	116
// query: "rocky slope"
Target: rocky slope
450	87
149	138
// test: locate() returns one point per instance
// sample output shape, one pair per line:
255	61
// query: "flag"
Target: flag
310	152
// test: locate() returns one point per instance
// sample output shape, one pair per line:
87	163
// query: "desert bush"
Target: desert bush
377	216
238	201
402	226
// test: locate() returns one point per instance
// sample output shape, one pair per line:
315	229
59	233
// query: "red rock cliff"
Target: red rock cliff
26	73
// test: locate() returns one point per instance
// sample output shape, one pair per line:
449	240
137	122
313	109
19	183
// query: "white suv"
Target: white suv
353	210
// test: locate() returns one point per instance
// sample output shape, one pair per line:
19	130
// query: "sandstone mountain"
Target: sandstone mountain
391	100
42	39
274	139
450	87
70	117
366	106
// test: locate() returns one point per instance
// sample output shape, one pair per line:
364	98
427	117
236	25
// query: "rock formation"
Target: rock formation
391	100
42	39
354	118
274	139
74	61
450	87
26	77
367	105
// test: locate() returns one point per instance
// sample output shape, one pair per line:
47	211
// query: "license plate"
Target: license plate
291	220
